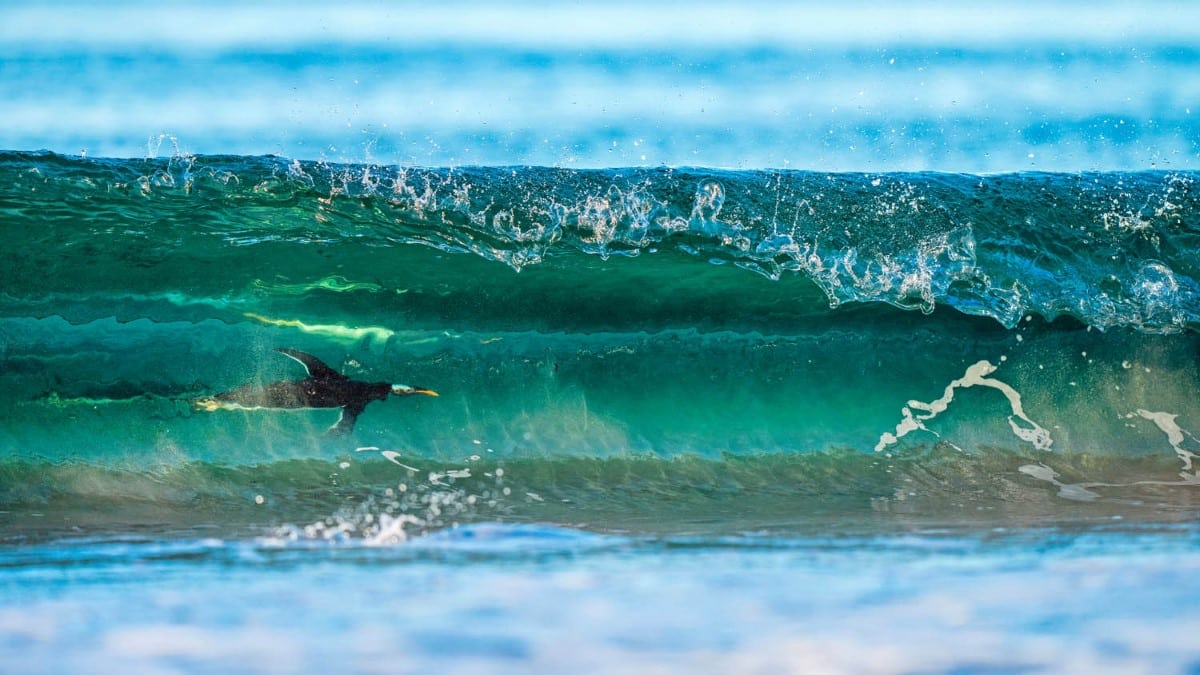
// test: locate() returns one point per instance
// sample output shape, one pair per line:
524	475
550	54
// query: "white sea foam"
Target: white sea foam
1175	436
976	376
1076	492
1086	491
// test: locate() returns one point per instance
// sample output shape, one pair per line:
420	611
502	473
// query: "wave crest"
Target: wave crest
1110	249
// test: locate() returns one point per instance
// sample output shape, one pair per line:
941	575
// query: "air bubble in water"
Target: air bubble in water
710	197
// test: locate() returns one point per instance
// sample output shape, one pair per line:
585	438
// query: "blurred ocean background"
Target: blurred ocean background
864	86
770	337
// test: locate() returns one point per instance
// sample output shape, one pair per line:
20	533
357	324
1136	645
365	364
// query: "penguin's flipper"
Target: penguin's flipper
316	367
345	423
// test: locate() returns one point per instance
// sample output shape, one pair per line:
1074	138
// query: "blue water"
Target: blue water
521	599
1059	86
768	338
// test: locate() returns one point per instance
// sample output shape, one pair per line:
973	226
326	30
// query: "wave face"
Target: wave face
638	347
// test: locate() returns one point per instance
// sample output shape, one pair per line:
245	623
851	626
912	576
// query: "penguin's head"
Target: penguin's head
405	390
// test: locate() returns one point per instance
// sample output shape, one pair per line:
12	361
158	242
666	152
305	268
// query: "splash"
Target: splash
392	517
1109	249
423	501
976	376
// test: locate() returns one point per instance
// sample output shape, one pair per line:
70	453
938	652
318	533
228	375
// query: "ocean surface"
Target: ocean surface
767	338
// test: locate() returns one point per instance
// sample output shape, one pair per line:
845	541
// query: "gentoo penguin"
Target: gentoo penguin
323	388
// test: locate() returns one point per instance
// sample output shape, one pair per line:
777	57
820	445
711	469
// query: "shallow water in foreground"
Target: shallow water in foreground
512	598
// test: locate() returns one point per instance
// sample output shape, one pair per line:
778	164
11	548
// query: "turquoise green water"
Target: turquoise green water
666	349
771	410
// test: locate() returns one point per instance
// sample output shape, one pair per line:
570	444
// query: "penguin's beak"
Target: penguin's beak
405	390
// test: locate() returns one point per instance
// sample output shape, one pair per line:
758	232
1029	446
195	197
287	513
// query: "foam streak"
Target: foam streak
976	375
